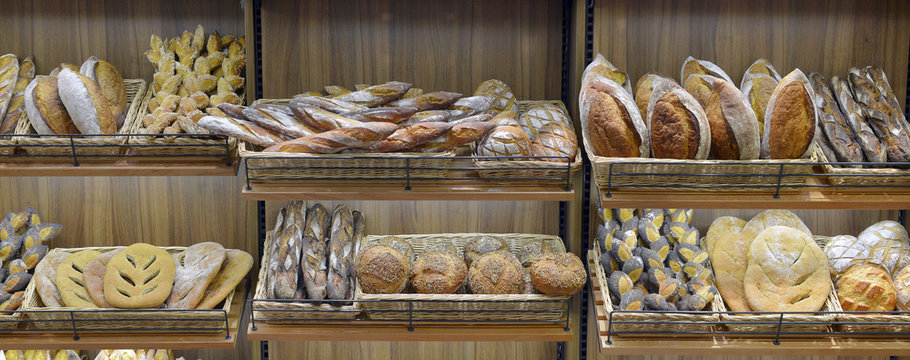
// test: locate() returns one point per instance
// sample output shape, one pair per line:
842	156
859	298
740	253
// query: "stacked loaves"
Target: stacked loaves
15	76
395	117
193	74
863	268
141	276
23	239
483	265
705	117
770	263
88	99
40	355
311	255
654	260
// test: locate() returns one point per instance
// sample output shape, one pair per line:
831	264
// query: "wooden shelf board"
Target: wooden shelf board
719	345
119	168
130	339
467	190
804	198
362	331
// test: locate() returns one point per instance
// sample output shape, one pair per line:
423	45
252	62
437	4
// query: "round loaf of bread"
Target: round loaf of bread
531	250
482	245
866	288
496	273
505	141
844	252
537	116
438	272
382	270
500	93
555	139
902	288
888	245
85	103
560	274
397	243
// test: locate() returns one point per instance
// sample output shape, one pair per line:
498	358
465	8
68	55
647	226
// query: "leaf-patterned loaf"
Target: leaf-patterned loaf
140	277
787	272
70	280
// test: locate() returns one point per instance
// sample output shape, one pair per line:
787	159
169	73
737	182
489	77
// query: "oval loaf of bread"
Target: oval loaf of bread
694	66
758	88
610	120
643	88
789	126
45	110
111	83
734	128
602	67
787	272
677	124
85	103
763	67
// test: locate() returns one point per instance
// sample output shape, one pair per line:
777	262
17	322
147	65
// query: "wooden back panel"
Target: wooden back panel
814	35
436	45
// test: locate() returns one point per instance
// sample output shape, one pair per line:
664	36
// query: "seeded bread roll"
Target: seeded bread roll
789	126
677	124
610	120
482	245
85	103
532	250
382	270
45	110
438	272
496	273
560	274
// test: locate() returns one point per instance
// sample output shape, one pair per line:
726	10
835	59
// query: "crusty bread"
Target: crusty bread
734	128
610	120
111	83
555	139
9	75
505	141
482	245
46	277
760	67
498	272
677	124
236	265
902	288
85	103
758	88
45	110
834	130
438	272
500	93
537	116
866	288
382	270
844	252
643	88
694	66
888	245
720	230
699	86
790	119
604	68
787	272
873	149
196	267
560	274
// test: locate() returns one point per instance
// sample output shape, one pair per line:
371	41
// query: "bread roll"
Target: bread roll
45	110
760	67
789	126
734	127
532	250
888	245
555	139
398	244
111	83
758	88
610	120
786	272
677	124
505	141
560	274
866	288
85	103
438	272
835	131
498	272
844	252
382	270
482	245
694	66
604	68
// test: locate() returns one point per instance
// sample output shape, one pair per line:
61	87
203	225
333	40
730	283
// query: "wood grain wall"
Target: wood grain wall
814	35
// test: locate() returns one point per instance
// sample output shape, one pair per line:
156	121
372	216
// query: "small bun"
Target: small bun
559	274
438	272
496	273
482	245
382	270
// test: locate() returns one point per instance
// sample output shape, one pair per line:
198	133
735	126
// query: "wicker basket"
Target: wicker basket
96	319
746	323
726	175
176	145
375	167
853	176
643	321
497	169
135	89
296	311
465	307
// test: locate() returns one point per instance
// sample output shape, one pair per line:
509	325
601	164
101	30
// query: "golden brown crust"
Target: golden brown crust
496	273
612	133
560	274
791	123
51	107
112	87
382	270
762	88
674	129
723	142
438	272
866	288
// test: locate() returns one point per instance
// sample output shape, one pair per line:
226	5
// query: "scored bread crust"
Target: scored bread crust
782	94
666	88
45	110
9	74
596	85
703	65
643	88
740	118
84	102
787	271
866	288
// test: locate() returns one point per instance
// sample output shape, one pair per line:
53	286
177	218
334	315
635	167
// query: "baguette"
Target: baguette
789	126
899	120
284	264
472	118
610	119
377	94
279	122
835	134
341	254
429	101
240	129
313	259
878	114
322	119
359	224
329	142
427	116
17	102
334	105
390	115
234	111
411	136
471	105
85	103
872	147
460	134
9	75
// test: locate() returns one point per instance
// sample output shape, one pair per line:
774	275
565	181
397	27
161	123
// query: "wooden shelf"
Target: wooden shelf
465	190
126	339
803	198
119	168
363	331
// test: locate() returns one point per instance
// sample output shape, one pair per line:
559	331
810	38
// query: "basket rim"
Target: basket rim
828	168
176	139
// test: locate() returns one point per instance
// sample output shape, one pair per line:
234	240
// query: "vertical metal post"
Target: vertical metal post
586	192
73	323
73	148
780	323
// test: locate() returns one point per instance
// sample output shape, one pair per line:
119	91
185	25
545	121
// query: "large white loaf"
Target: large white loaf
85	103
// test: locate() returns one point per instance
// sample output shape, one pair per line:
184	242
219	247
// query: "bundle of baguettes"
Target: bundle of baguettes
193	74
14	78
311	255
395	117
705	117
87	99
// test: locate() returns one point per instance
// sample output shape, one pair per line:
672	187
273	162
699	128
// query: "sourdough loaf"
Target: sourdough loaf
844	252
539	115
888	245
763	67
902	288
694	66
45	110
758	88
677	124
643	88
604	68
85	103
500	94
195	268
111	83
610	120
786	272
505	141
9	75
734	127
789	126
555	139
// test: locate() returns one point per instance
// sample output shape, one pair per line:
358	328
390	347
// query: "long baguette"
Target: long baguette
427	116
322	119
384	114
429	101
878	114
341	256
17	103
240	129
279	122
872	147
471	105
330	142
412	136
460	134
835	131
313	263
334	105
377	94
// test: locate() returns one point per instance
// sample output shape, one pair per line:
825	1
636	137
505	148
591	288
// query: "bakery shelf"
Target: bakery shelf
350	331
30	337
461	182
